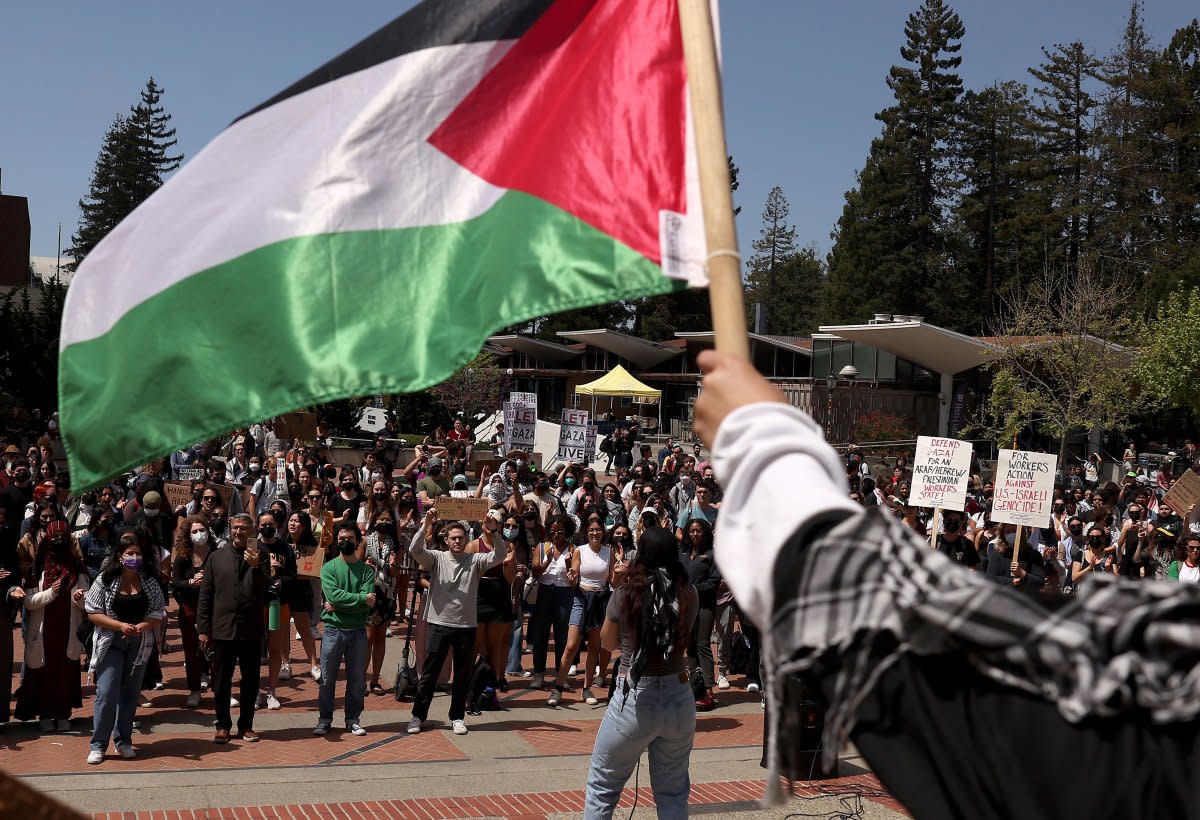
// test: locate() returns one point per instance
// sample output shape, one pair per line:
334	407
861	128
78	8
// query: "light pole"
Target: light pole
830	383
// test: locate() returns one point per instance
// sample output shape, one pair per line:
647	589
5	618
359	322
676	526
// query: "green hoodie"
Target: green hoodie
346	587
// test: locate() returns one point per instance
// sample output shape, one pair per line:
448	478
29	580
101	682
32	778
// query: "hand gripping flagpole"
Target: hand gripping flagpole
723	263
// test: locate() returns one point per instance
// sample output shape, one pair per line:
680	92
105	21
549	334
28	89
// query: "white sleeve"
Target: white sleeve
778	473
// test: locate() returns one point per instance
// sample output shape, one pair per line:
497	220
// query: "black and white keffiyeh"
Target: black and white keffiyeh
868	590
660	623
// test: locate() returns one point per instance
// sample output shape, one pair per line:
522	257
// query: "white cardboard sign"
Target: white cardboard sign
572	436
940	471
1024	488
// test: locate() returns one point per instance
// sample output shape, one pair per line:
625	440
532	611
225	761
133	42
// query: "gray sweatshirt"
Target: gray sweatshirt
453	581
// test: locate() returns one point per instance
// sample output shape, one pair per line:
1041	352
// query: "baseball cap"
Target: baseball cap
435	462
460	478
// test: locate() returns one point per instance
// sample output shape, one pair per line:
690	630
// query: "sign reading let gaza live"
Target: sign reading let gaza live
1024	486
940	473
572	436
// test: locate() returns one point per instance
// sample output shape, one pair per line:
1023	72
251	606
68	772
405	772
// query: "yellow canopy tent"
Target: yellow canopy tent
618	382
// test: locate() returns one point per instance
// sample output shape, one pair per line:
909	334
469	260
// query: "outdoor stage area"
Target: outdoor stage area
529	761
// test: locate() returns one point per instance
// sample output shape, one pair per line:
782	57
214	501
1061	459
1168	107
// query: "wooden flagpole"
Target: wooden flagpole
726	303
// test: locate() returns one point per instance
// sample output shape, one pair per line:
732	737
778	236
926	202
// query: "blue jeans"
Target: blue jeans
658	715
350	644
118	683
513	667
552	611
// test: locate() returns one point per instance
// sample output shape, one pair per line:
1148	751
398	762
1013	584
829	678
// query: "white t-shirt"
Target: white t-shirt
1189	575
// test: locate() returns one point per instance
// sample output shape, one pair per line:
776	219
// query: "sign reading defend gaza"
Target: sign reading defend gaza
940	471
1024	488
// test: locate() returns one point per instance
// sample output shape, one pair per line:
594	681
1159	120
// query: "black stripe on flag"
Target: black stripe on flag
430	23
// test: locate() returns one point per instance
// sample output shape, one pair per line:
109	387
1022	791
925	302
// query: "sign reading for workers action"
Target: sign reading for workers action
1024	488
572	435
1184	492
520	427
940	473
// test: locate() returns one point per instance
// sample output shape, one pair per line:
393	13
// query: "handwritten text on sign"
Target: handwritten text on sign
572	436
940	473
1024	490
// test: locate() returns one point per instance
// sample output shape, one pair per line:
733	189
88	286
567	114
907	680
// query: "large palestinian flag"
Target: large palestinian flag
473	164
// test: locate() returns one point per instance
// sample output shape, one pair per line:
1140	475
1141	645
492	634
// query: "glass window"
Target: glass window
820	360
887	367
843	354
864	361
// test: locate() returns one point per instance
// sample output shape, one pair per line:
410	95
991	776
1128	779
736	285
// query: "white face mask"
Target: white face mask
200	537
151	512
255	466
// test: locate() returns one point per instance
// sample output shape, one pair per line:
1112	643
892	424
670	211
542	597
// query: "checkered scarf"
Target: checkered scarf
660	623
868	590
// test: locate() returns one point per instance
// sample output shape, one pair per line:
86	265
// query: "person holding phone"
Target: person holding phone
230	620
348	585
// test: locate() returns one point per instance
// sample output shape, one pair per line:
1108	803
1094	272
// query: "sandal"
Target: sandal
376	689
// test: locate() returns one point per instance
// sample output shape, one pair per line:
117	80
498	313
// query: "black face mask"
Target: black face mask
88	498
530	516
58	544
589	486
1095	541
1075	530
347	547
218	523
380	496
383	526
404	503
267	532
21	476
952	525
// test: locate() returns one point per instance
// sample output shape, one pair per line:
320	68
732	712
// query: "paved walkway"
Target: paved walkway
528	761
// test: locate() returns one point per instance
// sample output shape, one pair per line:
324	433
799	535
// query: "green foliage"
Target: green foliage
1168	368
880	425
133	159
479	387
31	316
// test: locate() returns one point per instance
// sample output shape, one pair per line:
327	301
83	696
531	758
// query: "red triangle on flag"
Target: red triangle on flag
586	111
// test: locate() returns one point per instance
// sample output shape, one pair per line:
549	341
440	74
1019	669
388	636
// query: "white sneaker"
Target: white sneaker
144	701
285	672
356	729
261	701
528	673
752	687
571	672
296	636
193	700
414	726
234	703
538	682
316	674
127	751
95	756
203	682
273	702
460	727
387	633
588	697
722	682
555	697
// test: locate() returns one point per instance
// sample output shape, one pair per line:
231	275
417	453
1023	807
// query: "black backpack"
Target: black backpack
481	695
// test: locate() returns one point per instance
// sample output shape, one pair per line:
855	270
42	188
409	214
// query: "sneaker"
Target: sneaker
295	636
588	697
261	701
538	681
159	685
316	673
571	672
705	703
248	736
233	703
145	702
127	751
285	672
193	700
414	726
273	702
356	729
722	682
95	756
459	727
528	673
555	697
752	687
387	633
221	736
321	729
204	681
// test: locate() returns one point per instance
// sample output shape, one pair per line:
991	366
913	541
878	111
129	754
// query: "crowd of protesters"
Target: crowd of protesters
104	583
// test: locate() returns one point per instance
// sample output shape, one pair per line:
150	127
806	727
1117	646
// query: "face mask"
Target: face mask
542	486
380	496
218	523
405	503
569	482
589	486
267	531
200	537
58	543
151	512
255	466
531	516
347	547
952	525
1095	541
383	526
21	475
134	562
88	500
511	533
1076	530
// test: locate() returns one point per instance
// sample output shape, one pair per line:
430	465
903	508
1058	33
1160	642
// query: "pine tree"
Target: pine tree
891	248
131	164
1066	145
776	244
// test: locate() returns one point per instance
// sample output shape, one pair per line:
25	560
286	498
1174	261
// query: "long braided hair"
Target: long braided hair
652	601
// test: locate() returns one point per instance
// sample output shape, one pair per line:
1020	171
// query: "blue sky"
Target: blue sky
803	80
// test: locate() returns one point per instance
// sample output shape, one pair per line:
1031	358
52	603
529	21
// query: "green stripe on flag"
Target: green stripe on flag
319	318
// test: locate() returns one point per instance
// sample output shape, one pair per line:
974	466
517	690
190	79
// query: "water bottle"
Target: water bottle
273	615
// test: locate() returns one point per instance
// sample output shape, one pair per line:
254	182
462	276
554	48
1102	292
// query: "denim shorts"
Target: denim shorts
587	608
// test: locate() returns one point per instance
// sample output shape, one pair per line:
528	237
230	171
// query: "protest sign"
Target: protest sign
461	509
1024	488
1184	492
524	400
589	447
310	565
190	473
520	427
572	436
940	470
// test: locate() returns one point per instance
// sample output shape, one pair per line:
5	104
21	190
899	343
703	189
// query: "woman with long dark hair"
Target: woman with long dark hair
552	610
193	543
701	567
650	618
298	595
126	605
591	571
381	550
494	605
